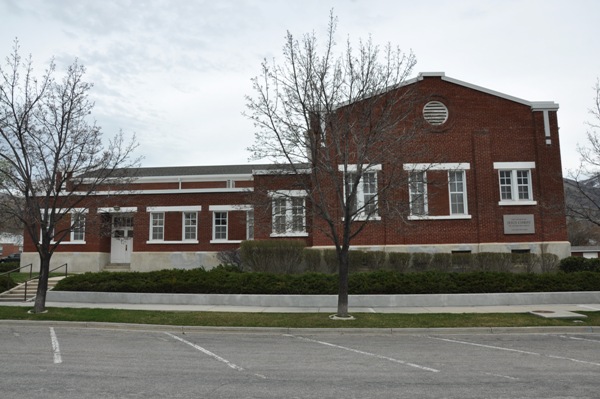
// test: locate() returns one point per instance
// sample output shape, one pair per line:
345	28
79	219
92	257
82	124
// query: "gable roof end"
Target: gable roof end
535	105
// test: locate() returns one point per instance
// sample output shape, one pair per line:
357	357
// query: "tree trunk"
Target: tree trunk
343	284
40	298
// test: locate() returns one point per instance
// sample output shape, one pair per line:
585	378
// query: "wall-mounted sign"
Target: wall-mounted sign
519	224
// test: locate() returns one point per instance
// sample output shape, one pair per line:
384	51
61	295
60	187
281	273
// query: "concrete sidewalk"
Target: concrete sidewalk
543	310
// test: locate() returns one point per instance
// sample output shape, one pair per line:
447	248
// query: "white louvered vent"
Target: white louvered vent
435	113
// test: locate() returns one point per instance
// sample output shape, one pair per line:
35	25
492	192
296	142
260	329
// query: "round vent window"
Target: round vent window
435	113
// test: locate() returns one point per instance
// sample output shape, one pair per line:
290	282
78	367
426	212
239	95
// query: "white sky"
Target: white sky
175	72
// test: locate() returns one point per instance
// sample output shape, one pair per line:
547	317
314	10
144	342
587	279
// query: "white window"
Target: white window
77	227
288	215
157	226
364	204
250	225
457	190
190	225
220	226
515	183
417	185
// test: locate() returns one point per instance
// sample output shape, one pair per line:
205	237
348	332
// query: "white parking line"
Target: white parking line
365	353
55	346
515	350
211	354
581	339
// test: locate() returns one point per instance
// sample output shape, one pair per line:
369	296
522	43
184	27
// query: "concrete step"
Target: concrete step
117	267
18	293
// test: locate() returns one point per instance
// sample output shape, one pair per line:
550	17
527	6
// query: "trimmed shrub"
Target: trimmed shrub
579	264
312	260
420	261
6	283
494	261
331	260
463	262
273	256
225	280
9	266
441	262
549	263
398	261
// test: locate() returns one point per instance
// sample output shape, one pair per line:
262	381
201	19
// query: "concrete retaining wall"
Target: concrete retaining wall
329	300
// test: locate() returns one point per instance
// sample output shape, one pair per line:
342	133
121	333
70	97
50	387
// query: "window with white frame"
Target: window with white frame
250	225
457	190
219	225
365	201
190	225
157	224
417	185
77	226
515	182
289	213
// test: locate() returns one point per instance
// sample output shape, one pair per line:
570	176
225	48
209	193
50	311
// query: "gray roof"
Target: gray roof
197	170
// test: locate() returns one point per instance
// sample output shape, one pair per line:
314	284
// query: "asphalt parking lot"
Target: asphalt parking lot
46	361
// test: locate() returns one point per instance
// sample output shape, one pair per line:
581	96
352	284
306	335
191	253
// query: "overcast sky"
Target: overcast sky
175	72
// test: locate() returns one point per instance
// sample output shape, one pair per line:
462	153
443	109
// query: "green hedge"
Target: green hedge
580	264
6	283
223	280
289	256
8	266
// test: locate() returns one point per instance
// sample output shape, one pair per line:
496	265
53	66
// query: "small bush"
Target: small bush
463	262
6	283
331	260
312	260
420	261
231	257
494	261
273	256
398	261
8	266
441	262
579	264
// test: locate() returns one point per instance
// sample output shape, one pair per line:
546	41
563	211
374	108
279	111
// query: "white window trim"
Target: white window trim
513	167
72	239
418	167
464	193
360	197
288	195
214	228
425	197
165	209
183	226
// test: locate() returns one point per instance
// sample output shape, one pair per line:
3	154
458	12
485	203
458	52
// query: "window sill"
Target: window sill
517	203
225	241
445	217
172	242
70	242
304	234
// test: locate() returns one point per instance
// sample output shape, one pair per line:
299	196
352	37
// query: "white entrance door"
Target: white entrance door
121	242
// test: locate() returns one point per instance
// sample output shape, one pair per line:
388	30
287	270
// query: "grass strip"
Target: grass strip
294	320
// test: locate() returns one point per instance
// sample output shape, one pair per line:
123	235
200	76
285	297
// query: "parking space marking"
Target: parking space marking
391	359
580	339
211	354
55	346
515	350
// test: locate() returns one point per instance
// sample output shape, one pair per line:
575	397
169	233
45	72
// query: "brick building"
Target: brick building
489	180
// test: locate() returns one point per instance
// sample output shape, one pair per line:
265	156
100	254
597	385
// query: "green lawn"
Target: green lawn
294	320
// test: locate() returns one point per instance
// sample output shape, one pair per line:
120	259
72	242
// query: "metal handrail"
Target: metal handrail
66	266
30	266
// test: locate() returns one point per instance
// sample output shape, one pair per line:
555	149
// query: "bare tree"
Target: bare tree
337	124
46	142
582	190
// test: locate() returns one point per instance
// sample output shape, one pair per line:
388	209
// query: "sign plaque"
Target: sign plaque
519	224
